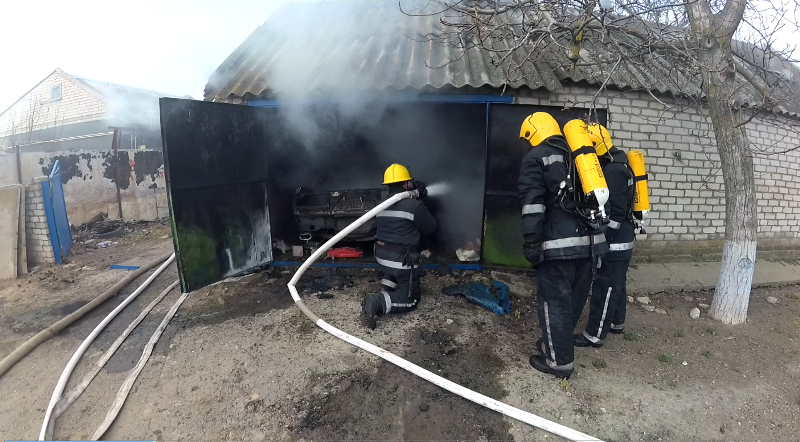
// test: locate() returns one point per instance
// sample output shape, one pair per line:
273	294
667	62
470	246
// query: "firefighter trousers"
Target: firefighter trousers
607	306
400	286
562	289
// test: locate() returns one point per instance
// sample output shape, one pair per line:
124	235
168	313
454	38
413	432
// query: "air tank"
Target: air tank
586	162
641	199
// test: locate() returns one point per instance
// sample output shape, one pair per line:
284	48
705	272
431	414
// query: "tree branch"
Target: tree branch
754	81
730	16
491	11
700	14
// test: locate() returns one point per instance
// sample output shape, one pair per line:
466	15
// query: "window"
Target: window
55	93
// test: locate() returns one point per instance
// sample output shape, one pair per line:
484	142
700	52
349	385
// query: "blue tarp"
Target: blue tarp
496	299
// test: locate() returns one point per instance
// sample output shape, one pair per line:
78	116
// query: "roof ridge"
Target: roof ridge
123	86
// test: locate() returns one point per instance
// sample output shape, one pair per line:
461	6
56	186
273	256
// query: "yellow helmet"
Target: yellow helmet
396	174
600	137
539	127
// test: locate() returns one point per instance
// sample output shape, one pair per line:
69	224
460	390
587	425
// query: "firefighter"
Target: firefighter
607	305
558	242
399	230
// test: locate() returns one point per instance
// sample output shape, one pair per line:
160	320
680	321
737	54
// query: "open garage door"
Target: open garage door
216	174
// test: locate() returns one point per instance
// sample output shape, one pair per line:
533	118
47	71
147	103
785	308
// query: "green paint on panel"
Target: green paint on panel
198	257
503	241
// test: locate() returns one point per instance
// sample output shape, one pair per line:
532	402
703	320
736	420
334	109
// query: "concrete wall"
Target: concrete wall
90	182
37	234
687	194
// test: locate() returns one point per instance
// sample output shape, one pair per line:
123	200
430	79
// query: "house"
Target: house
72	120
342	89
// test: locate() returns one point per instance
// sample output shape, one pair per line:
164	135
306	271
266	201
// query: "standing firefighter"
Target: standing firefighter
560	238
399	230
607	305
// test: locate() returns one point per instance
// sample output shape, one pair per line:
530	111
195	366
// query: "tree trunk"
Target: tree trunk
741	222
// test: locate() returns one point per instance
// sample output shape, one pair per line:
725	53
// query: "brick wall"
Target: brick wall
37	234
687	221
35	111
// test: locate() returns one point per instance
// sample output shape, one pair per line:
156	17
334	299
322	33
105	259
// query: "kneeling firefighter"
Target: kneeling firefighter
562	230
399	230
608	302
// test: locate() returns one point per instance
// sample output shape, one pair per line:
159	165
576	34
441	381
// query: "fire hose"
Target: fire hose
52	330
448	385
73	361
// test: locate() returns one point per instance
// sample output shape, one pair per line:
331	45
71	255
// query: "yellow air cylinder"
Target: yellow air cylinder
641	199
587	163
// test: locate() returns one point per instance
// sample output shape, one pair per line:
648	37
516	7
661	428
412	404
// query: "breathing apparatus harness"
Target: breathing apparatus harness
580	205
631	183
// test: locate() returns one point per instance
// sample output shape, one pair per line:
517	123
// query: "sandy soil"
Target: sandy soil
240	362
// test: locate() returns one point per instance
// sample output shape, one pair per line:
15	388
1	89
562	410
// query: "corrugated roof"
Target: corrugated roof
366	45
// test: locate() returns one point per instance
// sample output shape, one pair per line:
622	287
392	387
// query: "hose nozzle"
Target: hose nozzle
420	188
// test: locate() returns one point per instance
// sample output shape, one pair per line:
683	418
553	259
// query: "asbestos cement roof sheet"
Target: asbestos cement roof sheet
370	45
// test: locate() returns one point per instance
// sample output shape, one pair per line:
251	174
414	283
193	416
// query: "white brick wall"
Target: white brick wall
36	110
37	234
686	187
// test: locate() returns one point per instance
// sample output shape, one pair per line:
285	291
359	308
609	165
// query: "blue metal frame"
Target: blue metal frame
473	99
58	240
368	265
51	220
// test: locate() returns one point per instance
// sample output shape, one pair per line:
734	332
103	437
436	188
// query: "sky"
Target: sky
170	46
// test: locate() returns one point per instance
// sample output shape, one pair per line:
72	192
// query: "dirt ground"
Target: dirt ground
240	362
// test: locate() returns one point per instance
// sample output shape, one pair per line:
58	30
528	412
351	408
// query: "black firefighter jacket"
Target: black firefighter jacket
404	221
619	178
550	232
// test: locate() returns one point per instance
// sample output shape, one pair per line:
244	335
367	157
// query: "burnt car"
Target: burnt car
322	214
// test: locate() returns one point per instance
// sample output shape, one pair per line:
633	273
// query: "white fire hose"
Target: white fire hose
450	386
73	361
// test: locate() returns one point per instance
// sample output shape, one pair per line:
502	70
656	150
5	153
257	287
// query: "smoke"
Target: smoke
330	69
129	106
337	53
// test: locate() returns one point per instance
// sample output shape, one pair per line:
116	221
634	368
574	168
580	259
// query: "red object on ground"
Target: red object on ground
344	252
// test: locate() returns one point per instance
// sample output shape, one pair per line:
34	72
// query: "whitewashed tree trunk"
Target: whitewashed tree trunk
732	293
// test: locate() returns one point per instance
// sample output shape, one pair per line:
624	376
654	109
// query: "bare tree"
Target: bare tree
719	55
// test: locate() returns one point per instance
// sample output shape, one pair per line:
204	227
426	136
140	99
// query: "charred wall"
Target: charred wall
439	143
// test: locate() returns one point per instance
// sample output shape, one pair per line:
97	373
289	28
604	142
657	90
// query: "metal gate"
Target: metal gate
55	209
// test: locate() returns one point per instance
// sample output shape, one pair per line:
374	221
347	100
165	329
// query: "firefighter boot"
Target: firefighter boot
373	307
541	363
583	341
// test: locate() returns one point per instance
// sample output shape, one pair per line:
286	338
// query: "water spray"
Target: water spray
438	189
493	404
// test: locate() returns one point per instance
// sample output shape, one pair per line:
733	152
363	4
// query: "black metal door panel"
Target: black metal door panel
216	174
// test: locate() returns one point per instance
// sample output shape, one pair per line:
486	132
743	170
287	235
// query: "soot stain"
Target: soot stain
121	160
146	164
68	164
367	406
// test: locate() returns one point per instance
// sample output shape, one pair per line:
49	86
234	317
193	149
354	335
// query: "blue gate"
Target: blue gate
55	208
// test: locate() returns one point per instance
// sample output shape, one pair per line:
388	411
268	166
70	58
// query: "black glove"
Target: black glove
534	256
419	186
